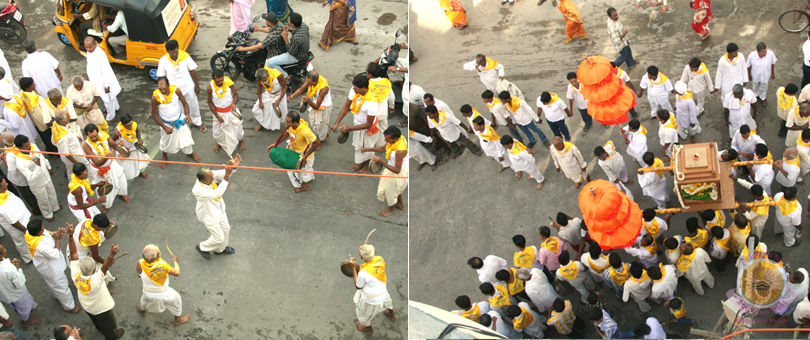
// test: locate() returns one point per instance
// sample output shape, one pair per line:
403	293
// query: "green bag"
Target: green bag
284	158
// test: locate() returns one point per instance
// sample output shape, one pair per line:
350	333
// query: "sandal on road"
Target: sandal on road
226	251
203	128
206	255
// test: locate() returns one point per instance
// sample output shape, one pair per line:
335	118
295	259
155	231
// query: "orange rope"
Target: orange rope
767	330
212	165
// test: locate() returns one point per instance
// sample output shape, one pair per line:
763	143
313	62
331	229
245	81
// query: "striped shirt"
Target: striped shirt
299	42
608	326
615	30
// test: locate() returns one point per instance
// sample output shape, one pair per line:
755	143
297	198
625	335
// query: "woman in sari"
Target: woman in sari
703	12
573	21
281	8
340	27
455	12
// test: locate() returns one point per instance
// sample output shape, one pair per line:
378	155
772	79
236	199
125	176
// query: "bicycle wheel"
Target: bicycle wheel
794	21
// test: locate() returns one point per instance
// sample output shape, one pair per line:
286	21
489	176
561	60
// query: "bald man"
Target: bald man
157	295
68	140
372	296
568	159
211	208
788	168
101	74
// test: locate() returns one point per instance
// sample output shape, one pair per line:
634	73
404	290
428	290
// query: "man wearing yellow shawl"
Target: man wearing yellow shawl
302	141
317	96
85	97
365	132
100	144
128	133
157	296
698	80
788	168
396	164
17	120
576	274
181	70
667	132
44	247
371	297
455	12
14	218
170	111
638	286
68	140
37	171
222	99
635	136
693	265
489	71
56	102
80	191
36	107
573	21
658	88
789	216
731	70
686	112
272	91
665	281
653	184
757	215
566	157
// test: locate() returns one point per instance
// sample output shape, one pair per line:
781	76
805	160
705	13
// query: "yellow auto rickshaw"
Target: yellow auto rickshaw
150	24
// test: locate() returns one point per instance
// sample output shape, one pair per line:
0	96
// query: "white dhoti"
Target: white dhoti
154	300
685	131
366	312
299	178
389	189
267	117
219	236
193	107
46	199
179	140
58	286
133	168
115	176
319	122
111	105
229	133
85	214
421	154
361	139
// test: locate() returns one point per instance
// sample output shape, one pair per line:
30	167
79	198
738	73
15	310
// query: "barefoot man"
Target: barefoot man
127	130
396	164
211	208
157	295
99	144
79	201
302	141
318	100
272	90
365	133
170	111
372	296
222	98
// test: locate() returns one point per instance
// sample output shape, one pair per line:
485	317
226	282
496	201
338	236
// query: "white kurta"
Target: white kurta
794	119
665	289
614	166
228	133
114	175
50	263
70	143
718	252
267	117
489	75
492	264
211	212
570	161
787	223
745	145
417	151
657	93
638	144
100	73
41	66
524	161
655	187
601	262
39	180
739	110
667	135
646	258
686	113
699	271
449	127
132	169
583	282
492	148
792	171
180	76
698	83
172	115
540	291
18	125
13	211
639	291
156	299
730	73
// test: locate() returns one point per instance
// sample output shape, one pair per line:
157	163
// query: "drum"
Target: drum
104	189
122	151
346	268
277	110
141	148
284	158
111	230
343	138
375	167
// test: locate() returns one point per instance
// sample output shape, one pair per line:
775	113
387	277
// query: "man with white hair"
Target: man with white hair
13	291
739	108
211	208
537	287
67	140
91	284
37	172
272	89
13	218
788	168
101	74
686	113
85	97
99	144
44	247
372	296
56	102
157	295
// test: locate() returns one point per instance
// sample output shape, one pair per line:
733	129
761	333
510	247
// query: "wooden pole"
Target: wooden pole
744	204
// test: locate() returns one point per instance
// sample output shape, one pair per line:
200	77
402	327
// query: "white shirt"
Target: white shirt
488	77
504	328
662	227
100	73
746	145
179	75
13	211
579	101
98	299
119	22
802	311
661	89
35	175
697	82
441	105
41	67
209	210
739	109
761	66
730	73
492	264
793	219
523	115
12	282
373	289
656	331
369	108
49	260
572	233
806	51
448	126
554	110
667	135
792	174
416	95
14	174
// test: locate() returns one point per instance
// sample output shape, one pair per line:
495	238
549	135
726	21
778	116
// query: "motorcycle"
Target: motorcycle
389	58
12	24
234	62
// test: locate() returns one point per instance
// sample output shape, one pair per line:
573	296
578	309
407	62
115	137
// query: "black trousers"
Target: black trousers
46	139
462	141
105	323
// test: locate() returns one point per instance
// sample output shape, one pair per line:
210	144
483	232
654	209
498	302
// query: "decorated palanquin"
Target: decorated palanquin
701	180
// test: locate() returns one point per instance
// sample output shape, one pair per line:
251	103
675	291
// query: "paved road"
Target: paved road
283	282
466	209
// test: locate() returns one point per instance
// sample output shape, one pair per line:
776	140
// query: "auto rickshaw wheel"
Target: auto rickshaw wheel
231	69
151	73
64	39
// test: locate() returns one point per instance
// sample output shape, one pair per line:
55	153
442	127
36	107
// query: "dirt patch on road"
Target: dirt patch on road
386	19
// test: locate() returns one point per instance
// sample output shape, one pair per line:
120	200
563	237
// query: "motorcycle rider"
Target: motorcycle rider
273	42
297	44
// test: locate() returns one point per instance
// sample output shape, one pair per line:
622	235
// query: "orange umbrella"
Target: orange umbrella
613	219
608	98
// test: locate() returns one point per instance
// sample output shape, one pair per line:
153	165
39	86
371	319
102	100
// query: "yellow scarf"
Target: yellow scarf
61	105
3	197
652	248
762	210
551	244
356	106
723	243
525	319
475	114
732	62
672	123
30	99
720	220
785	101
566	146
502	299
569	271
685	261
129	135
661	79
663	273
554	98
517	147
28	156
399	145
702	69
75	182
609	146
16	107
100	146
680	312
379	89
89	236
786	207
652	228
757	251
273	74
796	161
472	314
699	240
490	134
642	130
491	64
441	120
644	277
82	284
165	99
619	72
801	142
33	242
494	101
597	268
312	91
566	315
182	55
619	278
657	163
769	157
59	131
517	285
524	258
687	95
514	106
157	271
213	187
220	91
375	267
